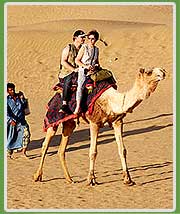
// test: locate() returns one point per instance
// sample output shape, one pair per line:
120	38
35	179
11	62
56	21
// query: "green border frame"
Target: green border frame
2	107
177	2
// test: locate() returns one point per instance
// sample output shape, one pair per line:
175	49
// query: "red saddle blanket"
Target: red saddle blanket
54	116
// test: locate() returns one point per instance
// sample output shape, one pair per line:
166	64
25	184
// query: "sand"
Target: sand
137	36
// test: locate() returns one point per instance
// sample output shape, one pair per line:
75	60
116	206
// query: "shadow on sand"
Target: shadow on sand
147	172
83	135
150	118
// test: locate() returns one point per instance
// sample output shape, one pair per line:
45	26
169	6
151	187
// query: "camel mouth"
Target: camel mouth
160	78
160	74
163	74
163	77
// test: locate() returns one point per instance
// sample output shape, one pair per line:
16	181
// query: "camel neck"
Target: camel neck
133	97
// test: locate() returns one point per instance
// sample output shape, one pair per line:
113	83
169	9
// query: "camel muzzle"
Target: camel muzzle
164	73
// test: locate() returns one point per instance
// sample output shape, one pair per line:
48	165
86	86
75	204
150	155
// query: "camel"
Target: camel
111	107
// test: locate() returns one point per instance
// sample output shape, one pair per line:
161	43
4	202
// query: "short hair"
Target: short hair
78	33
10	85
94	33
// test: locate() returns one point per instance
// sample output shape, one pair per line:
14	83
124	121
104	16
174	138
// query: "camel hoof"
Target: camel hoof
70	181
37	177
92	182
91	179
127	179
129	183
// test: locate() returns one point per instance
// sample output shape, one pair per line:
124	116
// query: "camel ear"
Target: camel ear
141	70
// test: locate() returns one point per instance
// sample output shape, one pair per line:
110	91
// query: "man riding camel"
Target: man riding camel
68	65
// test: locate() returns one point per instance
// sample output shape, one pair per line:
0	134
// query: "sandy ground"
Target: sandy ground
137	36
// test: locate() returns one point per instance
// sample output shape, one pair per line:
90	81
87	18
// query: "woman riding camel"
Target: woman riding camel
88	60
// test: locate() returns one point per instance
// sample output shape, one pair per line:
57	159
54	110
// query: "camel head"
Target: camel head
149	78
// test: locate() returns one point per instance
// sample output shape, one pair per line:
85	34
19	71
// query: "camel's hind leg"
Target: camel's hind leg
94	129
68	128
118	128
49	134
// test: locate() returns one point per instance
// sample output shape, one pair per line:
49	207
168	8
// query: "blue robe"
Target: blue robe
15	112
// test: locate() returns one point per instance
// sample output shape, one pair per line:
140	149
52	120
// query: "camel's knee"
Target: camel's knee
93	155
61	154
50	133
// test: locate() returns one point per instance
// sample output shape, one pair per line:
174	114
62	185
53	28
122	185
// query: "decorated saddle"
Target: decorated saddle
92	90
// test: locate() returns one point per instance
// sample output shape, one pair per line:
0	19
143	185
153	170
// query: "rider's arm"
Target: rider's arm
79	58
64	59
97	60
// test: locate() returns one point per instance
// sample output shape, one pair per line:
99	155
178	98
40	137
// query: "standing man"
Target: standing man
68	65
18	134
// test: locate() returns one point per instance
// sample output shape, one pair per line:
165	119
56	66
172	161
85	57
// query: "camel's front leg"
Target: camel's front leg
94	129
68	128
49	134
118	128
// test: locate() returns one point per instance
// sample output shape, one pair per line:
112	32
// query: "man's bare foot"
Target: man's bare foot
76	111
24	151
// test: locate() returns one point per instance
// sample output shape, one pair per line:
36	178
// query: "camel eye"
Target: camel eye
149	73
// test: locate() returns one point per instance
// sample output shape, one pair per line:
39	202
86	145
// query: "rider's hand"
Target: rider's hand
76	69
13	123
90	72
89	67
